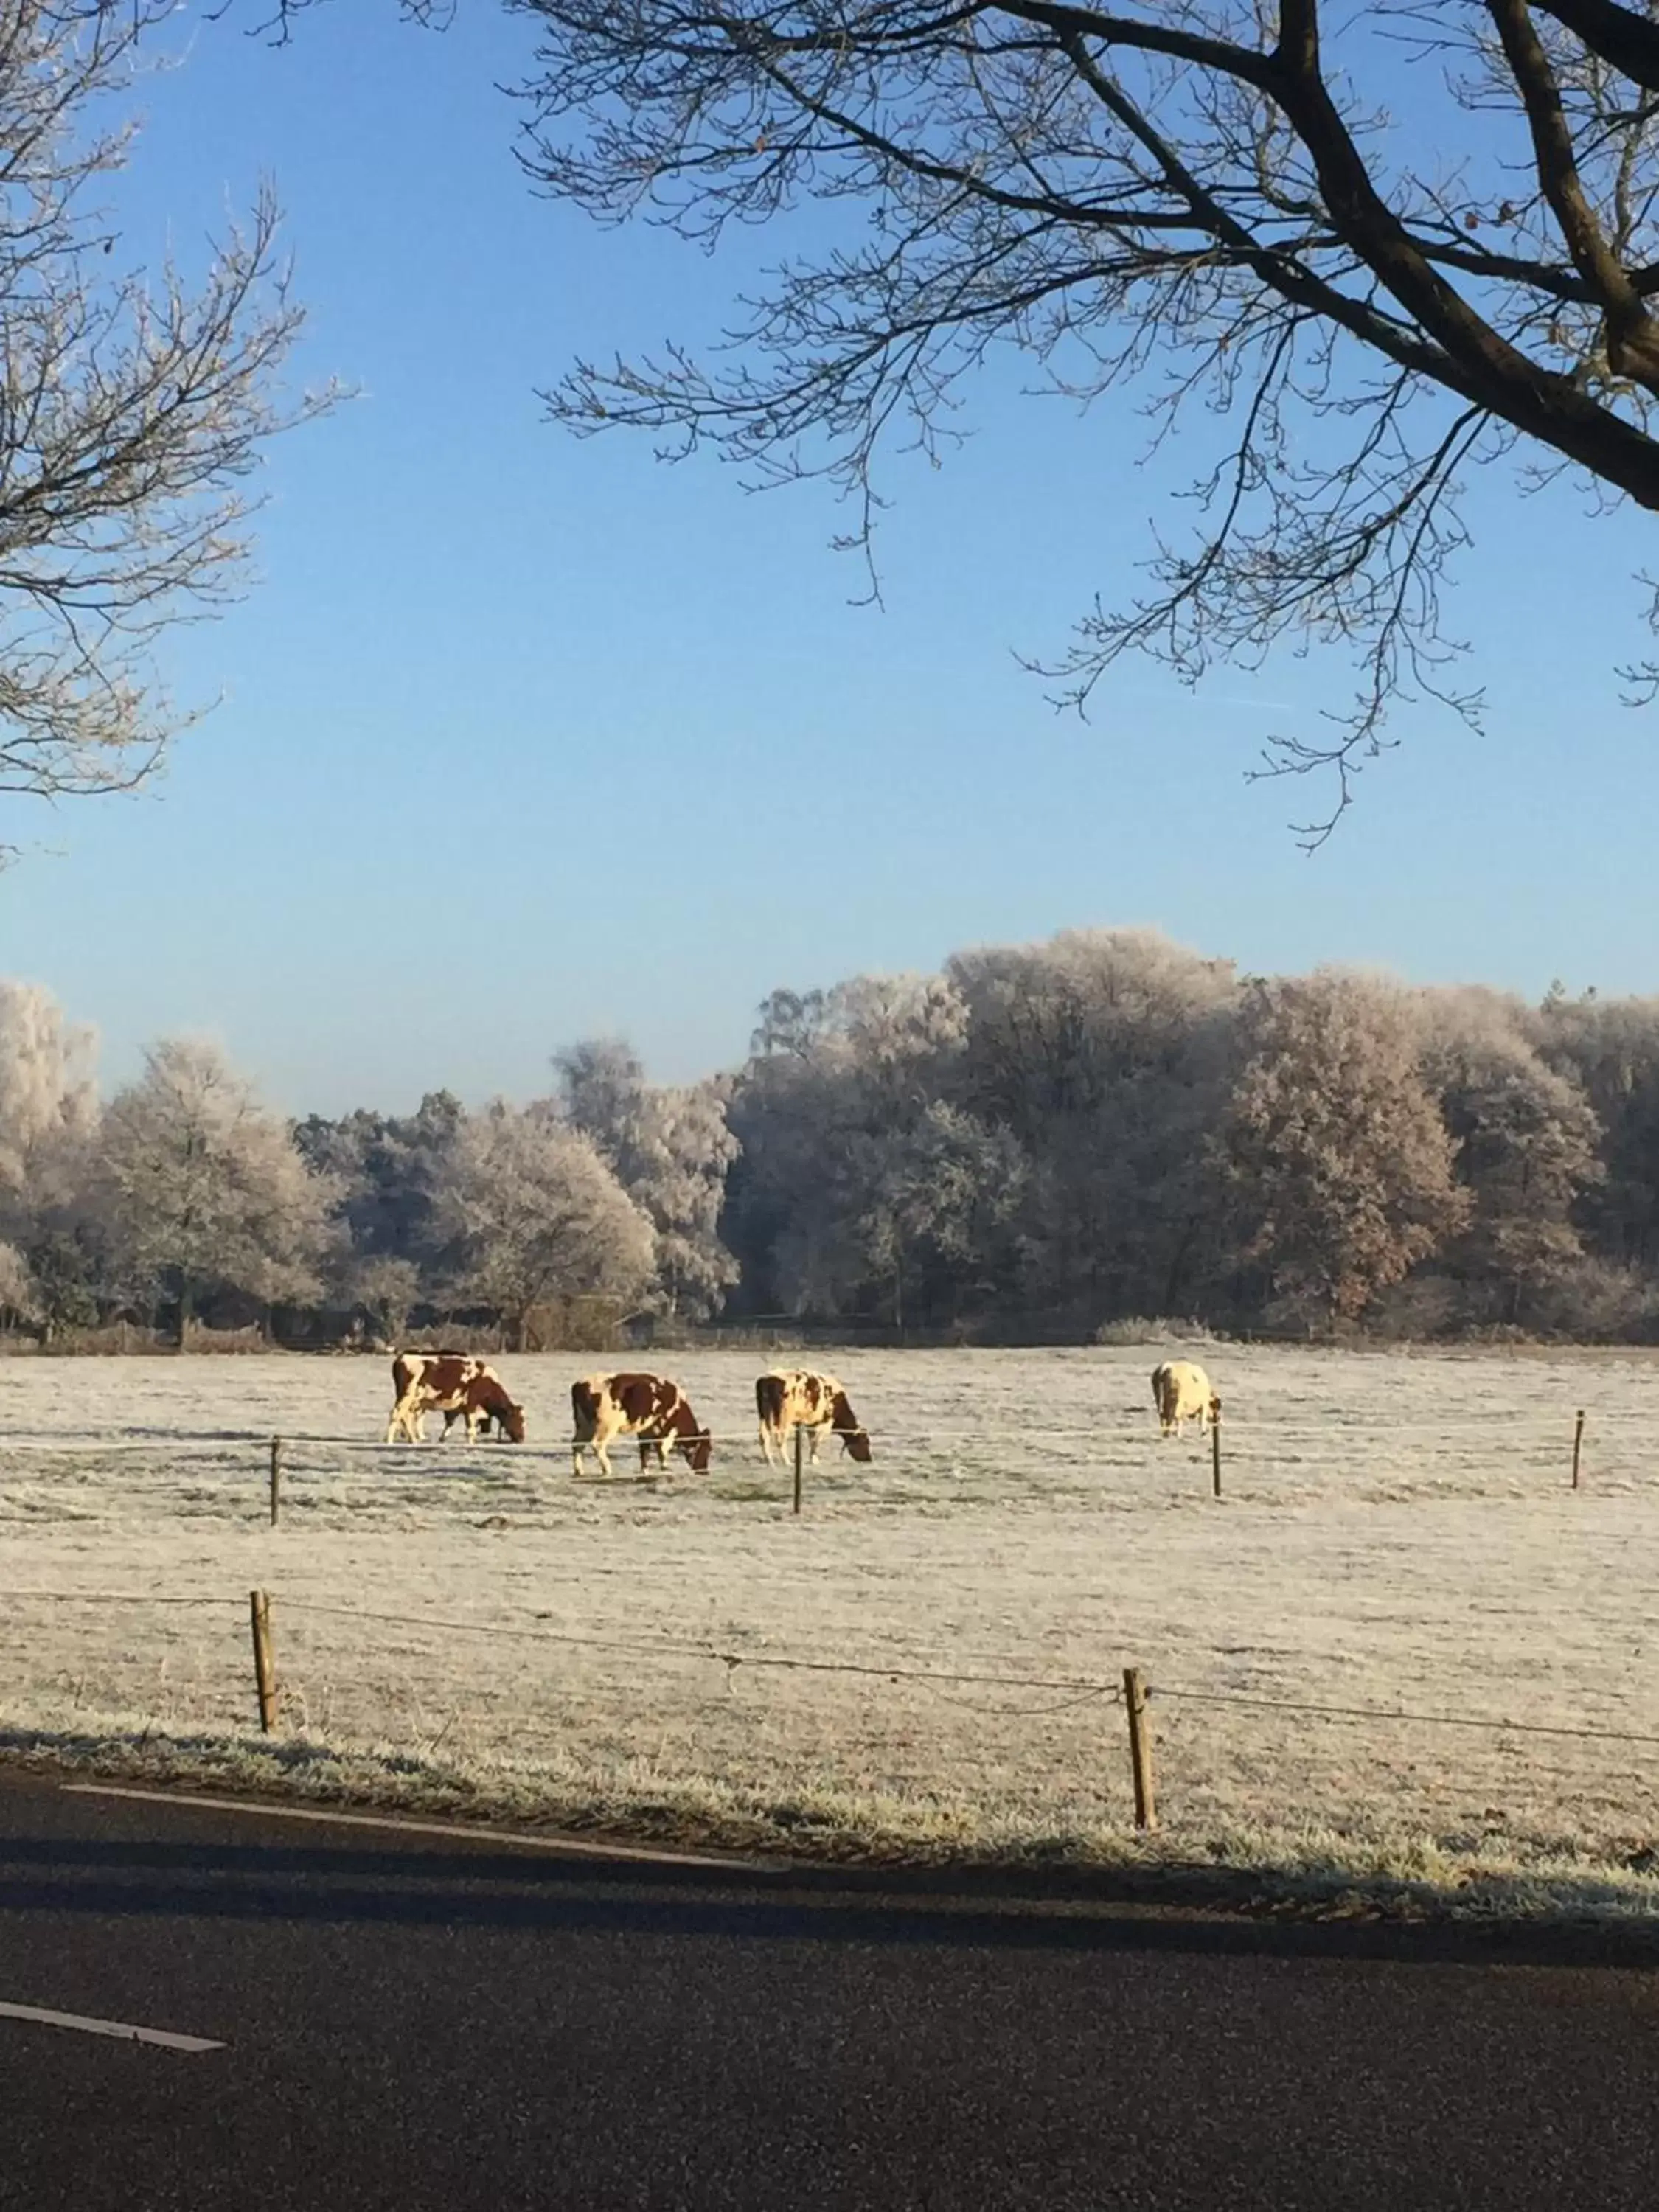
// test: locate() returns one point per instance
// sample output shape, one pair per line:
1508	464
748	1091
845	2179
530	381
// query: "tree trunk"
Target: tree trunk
184	1315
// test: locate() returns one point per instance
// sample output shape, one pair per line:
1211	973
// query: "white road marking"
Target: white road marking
119	2029
565	1846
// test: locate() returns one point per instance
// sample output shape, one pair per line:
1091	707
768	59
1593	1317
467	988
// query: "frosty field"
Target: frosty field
1397	1534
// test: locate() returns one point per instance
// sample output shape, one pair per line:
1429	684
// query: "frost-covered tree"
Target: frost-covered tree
48	1121
685	1196
48	1106
534	1213
20	1294
1526	1140
837	1085
940	1197
388	1169
1107	1053
203	1189
1610	1050
1332	1153
670	1147
387	1290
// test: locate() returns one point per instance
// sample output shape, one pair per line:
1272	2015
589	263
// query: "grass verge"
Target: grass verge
1302	1871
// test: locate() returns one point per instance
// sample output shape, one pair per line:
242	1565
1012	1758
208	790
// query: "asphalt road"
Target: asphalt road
411	2022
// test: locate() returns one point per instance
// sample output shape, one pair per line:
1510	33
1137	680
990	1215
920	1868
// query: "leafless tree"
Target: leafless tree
133	404
1208	201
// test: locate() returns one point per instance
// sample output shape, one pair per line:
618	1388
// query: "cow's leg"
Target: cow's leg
405	1419
766	1447
600	1453
817	1439
575	1456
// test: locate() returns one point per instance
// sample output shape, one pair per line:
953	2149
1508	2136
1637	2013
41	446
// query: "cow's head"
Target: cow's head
698	1446
1215	1406
845	1422
511	1420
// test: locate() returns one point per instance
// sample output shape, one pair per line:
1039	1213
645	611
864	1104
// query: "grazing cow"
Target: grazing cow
792	1399
1182	1392
456	1386
647	1406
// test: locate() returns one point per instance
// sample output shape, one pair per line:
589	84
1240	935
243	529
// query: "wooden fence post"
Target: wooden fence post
1215	1452
1140	1748
801	1445
265	1668
275	1480
1577	1440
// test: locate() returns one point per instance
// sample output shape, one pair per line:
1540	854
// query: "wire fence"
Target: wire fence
1133	1423
891	1670
1207	1744
1117	1460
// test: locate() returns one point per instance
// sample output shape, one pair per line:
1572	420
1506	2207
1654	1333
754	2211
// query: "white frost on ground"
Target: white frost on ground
1397	1533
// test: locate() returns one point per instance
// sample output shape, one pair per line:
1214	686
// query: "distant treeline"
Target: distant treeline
1041	1142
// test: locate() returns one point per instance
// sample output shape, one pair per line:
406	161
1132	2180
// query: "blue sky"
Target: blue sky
523	738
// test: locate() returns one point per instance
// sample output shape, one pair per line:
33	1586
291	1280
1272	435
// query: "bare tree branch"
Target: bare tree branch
132	410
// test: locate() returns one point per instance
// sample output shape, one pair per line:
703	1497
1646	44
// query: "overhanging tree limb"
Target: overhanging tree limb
1620	35
1202	205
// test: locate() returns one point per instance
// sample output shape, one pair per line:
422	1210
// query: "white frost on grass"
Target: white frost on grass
1397	1534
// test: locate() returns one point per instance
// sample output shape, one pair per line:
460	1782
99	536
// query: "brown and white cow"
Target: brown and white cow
1182	1392
793	1398
647	1406
456	1386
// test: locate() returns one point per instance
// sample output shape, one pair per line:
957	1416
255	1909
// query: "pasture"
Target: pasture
1397	1534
